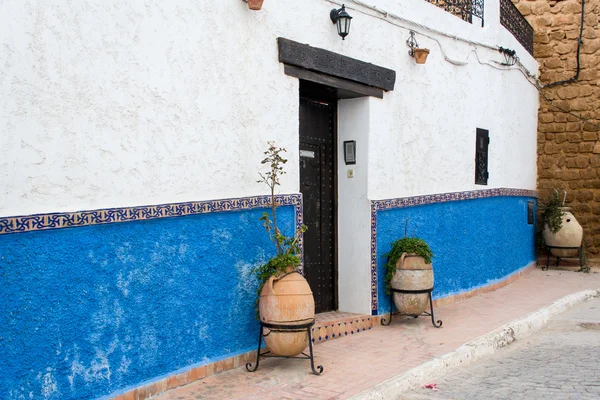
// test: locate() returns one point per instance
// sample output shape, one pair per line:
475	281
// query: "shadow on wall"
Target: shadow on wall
89	311
475	242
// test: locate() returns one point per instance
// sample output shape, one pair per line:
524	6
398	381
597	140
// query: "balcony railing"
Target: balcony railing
463	9
515	22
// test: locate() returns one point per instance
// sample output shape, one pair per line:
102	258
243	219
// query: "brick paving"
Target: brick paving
356	363
559	362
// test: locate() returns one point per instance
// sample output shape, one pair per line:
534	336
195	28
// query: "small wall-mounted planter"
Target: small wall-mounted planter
255	4
421	55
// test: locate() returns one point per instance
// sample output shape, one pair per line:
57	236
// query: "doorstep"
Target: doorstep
334	325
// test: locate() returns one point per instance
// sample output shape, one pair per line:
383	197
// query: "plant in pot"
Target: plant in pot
408	267
560	228
420	55
285	297
255	4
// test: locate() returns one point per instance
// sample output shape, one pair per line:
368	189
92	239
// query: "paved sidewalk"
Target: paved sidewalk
358	363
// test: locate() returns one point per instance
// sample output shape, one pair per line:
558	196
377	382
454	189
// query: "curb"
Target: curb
474	350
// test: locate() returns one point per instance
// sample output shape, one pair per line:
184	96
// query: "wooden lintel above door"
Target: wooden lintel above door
335	65
345	89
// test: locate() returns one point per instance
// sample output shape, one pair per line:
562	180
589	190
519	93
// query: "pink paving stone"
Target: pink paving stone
357	362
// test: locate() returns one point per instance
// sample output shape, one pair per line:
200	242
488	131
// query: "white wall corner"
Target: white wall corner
354	209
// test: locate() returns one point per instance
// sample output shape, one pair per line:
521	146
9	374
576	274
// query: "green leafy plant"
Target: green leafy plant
287	250
551	213
585	268
410	245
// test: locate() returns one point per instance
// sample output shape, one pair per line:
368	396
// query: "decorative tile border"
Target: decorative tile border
373	258
40	222
388	204
453	196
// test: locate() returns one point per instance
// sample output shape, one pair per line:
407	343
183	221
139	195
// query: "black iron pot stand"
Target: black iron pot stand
579	252
286	328
437	324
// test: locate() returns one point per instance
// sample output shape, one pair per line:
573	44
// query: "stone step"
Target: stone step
334	325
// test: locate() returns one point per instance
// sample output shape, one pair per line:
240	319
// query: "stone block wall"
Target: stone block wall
569	149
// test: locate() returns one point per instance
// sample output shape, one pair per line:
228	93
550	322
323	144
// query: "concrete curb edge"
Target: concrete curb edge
475	349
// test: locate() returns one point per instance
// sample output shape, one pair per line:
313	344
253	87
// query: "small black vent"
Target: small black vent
481	157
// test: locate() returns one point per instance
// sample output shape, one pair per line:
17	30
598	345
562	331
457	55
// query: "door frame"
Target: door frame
350	78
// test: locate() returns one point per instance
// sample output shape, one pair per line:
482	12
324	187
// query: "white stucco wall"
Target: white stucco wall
106	104
425	140
111	103
354	209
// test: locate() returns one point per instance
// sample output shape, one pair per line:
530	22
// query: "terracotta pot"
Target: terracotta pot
255	4
421	55
412	273
569	235
286	300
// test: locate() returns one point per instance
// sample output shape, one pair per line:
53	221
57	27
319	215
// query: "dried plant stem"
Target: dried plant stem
274	215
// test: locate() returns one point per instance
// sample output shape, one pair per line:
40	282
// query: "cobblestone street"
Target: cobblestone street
560	362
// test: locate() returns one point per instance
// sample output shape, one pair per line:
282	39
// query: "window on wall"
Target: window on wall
482	138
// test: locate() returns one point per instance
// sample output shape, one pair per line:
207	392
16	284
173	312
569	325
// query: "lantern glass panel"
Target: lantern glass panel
343	25
346	22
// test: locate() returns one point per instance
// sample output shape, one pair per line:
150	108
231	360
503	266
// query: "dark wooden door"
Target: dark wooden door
317	168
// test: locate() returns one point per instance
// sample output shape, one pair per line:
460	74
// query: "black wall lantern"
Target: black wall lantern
342	19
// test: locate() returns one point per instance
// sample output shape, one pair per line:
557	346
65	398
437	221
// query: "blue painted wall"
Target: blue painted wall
475	242
85	312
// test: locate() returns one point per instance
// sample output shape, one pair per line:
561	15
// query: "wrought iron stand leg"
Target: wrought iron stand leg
547	260
439	321
312	358
249	365
581	257
391	305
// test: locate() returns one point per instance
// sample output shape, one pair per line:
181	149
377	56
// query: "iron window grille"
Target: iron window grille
512	19
463	9
481	156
